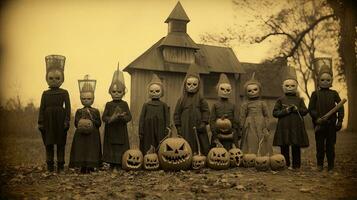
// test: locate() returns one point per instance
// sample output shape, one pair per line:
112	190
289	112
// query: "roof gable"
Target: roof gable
178	13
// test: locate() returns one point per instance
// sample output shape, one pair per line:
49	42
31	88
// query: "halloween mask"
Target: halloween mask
117	92
252	91
132	159
218	158
155	91
290	86
87	98
224	90
236	157
192	84
151	160
325	80
54	78
277	162
249	160
262	163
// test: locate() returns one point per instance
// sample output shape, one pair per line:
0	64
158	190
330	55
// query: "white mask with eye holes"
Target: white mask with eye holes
325	80
155	91
253	91
224	90
290	86
191	84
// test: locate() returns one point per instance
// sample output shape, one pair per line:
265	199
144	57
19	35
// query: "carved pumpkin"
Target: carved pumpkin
223	124
132	159
218	158
198	160
174	152
236	157
151	160
277	162
85	126
249	160
262	163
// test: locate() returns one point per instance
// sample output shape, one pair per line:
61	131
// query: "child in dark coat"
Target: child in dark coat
154	117
321	102
290	110
116	116
55	112
86	151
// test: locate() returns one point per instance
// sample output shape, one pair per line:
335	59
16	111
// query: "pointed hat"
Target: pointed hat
155	80
223	79
118	79
252	80
290	73
193	71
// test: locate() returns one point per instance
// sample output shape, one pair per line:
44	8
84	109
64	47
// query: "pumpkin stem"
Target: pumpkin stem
151	150
198	142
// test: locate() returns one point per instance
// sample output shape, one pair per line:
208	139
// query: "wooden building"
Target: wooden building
170	58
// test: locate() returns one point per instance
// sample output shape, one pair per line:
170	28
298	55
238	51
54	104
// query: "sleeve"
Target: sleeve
212	119
302	108
265	113
67	108
127	117
177	113
242	114
77	117
42	110
142	119
204	111
312	106
106	116
341	111
279	110
96	118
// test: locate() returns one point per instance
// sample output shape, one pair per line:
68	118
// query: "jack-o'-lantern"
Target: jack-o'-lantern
85	126
249	160
277	162
224	124
198	160
174	152
132	159
236	156
262	163
218	158
151	160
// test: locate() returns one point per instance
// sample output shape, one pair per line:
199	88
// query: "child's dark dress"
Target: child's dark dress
86	148
154	119
116	139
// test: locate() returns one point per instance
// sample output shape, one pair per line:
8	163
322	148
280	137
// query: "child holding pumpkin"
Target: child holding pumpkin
223	119
321	102
192	111
154	117
86	151
55	112
290	110
116	116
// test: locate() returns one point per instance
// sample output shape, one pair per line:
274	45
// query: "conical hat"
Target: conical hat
118	79
86	84
223	79
252	80
323	65
193	71
290	73
155	80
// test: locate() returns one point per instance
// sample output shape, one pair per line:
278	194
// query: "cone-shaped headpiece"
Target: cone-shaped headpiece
86	84
118	80
155	80
323	65
193	71
252	80
223	79
55	62
290	73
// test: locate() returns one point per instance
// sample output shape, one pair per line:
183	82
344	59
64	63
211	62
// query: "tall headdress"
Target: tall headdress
223	79
118	79
323	65
290	73
87	85
55	62
251	81
193	71
155	80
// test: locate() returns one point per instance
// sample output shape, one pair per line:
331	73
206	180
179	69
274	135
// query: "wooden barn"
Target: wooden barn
170	58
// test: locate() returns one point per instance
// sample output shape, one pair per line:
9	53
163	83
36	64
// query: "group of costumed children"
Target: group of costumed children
249	130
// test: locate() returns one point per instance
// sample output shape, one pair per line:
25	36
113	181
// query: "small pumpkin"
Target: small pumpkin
85	126
249	160
132	159
262	163
151	160
236	156
198	160
223	124
174	152
218	158
277	162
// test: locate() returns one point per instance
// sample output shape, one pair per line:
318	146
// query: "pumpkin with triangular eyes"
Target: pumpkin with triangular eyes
262	163
249	160
277	162
218	158
236	157
132	159
151	160
174	153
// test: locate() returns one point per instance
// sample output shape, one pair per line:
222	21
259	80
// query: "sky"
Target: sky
96	35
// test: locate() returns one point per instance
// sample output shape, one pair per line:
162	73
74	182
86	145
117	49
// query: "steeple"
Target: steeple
178	19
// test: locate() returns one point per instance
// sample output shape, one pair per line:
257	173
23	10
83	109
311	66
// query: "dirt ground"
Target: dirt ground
23	176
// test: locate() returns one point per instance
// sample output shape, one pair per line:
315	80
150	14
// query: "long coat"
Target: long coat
86	149
154	119
116	139
54	116
191	111
291	127
225	108
254	120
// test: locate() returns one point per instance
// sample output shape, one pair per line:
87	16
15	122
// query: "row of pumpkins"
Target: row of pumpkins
174	153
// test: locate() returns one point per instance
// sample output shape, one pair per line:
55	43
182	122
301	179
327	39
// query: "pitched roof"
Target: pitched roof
208	58
178	13
268	74
179	39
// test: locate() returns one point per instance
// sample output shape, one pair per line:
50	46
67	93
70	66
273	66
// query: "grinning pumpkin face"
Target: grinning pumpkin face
262	163
175	154
249	160
277	162
198	161
223	124
218	158
236	157
132	159
151	161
